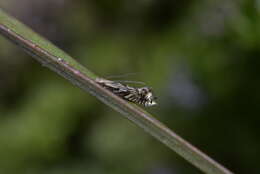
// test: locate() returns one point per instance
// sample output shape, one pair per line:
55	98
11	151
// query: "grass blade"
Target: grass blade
60	62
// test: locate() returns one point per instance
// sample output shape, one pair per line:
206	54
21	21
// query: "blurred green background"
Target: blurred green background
201	58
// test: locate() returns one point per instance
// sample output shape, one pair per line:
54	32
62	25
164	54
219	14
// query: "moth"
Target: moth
143	96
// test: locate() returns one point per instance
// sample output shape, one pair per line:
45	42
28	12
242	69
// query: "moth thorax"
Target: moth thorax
147	96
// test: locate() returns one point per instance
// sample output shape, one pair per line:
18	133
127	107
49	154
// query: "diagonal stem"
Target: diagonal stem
58	61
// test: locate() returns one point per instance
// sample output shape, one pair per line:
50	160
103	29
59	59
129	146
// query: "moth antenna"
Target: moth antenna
129	81
120	76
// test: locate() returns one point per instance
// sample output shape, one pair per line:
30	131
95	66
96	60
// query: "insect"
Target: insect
143	95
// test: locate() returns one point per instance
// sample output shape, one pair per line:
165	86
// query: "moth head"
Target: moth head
149	97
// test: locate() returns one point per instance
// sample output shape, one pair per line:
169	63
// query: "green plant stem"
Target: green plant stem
55	59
